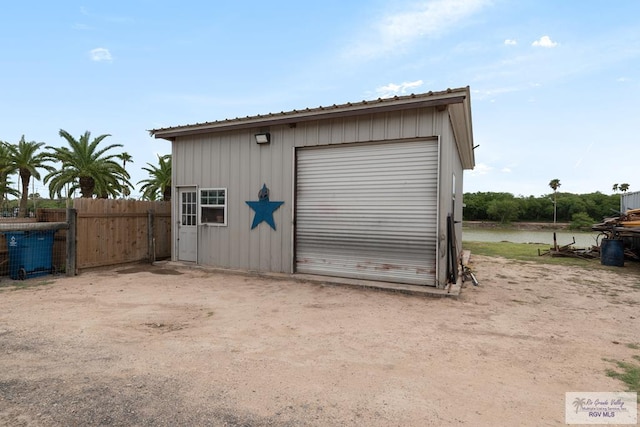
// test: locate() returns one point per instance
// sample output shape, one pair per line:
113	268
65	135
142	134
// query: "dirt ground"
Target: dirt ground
167	345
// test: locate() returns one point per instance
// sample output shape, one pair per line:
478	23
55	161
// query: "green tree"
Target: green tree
159	181
86	167
476	204
555	184
534	209
504	210
581	221
26	159
624	187
569	204
595	205
599	205
615	187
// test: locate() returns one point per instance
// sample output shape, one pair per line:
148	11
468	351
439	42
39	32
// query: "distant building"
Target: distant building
629	201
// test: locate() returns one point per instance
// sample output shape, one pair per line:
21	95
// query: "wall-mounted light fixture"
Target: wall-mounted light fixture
263	138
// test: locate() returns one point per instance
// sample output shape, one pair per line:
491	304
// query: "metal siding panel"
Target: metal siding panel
270	165
236	245
207	167
350	130
324	132
337	131
630	201
234	161
449	164
283	162
409	124
368	211
277	192
222	176
394	125
186	154
426	127
378	128
241	214
311	134
251	193
364	128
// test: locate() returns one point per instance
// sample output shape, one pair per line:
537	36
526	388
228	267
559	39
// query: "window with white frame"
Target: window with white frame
213	206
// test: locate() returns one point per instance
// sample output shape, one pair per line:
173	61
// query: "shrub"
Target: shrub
581	221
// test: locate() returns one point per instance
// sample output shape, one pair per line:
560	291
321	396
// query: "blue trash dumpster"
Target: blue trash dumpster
30	253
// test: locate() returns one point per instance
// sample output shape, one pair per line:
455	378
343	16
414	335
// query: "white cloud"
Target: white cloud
100	54
491	93
544	41
506	170
393	89
480	169
426	19
510	42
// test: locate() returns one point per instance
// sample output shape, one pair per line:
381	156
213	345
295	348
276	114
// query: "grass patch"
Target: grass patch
628	373
529	252
634	346
519	251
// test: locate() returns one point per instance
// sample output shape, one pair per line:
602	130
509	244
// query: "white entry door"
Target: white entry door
187	224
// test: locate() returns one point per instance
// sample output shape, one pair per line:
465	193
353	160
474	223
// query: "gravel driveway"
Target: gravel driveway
168	345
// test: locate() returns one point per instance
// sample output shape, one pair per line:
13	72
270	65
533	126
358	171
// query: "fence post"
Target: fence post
150	239
72	222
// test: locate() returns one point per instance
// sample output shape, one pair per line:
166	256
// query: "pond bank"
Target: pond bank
517	225
528	232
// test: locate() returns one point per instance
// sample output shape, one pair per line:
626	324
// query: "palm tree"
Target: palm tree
86	167
6	187
111	185
26	160
615	187
6	168
125	158
159	181
555	184
624	187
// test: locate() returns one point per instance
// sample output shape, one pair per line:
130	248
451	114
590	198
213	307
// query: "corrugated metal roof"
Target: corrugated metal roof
429	99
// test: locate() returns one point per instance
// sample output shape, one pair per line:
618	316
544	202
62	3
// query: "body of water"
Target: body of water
564	237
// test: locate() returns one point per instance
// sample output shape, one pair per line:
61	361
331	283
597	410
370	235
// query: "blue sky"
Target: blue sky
555	84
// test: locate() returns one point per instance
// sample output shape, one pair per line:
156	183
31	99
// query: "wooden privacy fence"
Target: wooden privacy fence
110	232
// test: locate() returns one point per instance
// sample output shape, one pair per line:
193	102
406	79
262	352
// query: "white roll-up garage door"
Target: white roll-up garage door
368	211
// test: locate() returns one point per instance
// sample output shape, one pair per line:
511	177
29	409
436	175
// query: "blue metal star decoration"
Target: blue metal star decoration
263	208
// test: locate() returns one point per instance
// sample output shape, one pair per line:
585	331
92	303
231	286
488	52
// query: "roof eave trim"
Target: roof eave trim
304	116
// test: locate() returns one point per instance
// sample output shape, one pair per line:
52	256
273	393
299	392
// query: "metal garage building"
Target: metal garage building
367	190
